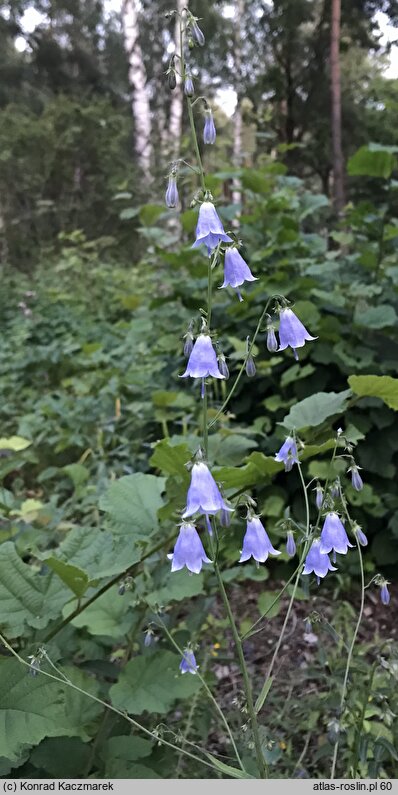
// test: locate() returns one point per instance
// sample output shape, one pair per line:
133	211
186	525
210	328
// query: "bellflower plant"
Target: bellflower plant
209	130
171	196
292	332
189	89
334	536
203	494
356	480
209	229
290	544
188	550
202	361
236	270
384	593
256	543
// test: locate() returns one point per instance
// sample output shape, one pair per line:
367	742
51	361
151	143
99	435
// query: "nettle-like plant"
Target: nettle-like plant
204	521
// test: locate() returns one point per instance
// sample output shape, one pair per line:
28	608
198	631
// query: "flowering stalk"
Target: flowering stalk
237	640
352	644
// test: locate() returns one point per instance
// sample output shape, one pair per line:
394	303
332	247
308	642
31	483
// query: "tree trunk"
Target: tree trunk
177	99
338	160
138	82
237	135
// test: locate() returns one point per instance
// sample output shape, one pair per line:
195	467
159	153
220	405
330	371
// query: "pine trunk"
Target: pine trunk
338	160
237	140
138	83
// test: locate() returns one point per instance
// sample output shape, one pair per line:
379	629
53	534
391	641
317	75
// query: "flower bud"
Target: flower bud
319	496
209	130
222	366
188	345
197	34
250	367
272	342
290	545
171	196
384	593
172	80
189	89
356	480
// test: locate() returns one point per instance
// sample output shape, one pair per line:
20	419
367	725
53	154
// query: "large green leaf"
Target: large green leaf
76	579
31	708
121	754
133	502
110	614
180	585
257	468
16	443
378	316
382	386
27	597
61	757
171	458
316	409
153	684
373	160
97	552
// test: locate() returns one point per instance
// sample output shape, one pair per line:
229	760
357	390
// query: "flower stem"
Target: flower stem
349	657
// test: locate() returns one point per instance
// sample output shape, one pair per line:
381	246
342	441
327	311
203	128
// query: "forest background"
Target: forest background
98	285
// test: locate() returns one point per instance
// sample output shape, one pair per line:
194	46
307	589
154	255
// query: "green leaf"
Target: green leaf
97	552
171	458
316	409
16	443
128	213
257	468
180	585
31	708
371	161
264	602
76	579
61	757
25	597
121	754
149	213
133	503
382	386
78	474
233	772
264	693
110	614
153	684
378	316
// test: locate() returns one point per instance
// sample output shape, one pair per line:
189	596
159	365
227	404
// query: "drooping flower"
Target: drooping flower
171	196
272	342
356	480
188	550
209	130
288	453
225	518
197	33
317	561
333	535
209	229
256	543
292	332
188	345
203	494
149	637
202	360
290	544
384	593
188	664
236	270
189	89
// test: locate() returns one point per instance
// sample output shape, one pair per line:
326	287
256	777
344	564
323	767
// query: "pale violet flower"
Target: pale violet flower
209	229
188	664
290	544
333	535
356	480
292	332
236	270
317	561
385	593
272	342
203	495
172	192
188	550
288	453
256	543
202	360
209	130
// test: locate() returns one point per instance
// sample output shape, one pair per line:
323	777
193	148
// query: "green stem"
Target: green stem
242	369
246	681
295	586
119	712
190	116
349	657
208	691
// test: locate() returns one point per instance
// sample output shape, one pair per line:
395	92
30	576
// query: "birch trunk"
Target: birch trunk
138	82
237	140
177	99
338	159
